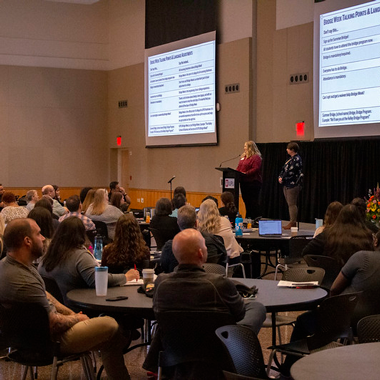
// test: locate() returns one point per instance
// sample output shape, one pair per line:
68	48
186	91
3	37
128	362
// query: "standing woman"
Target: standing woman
290	178
250	184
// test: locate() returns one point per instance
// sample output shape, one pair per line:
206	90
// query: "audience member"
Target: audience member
178	201
57	196
47	202
58	209
212	198
229	209
75	209
361	274
190	288
187	218
11	208
128	248
166	226
209	220
88	200
116	188
178	190
345	237
44	220
83	193
21	282
332	212
117	200
101	211
361	204
71	264
2	246
31	199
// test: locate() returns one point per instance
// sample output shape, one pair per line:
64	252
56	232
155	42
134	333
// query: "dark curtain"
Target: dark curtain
172	20
334	170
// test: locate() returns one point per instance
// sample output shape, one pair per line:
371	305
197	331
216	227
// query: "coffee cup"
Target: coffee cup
101	281
294	231
148	275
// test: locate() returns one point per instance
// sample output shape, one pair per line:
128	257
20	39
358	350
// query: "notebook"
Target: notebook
270	228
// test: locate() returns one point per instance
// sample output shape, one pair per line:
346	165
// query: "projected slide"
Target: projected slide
181	91
349	79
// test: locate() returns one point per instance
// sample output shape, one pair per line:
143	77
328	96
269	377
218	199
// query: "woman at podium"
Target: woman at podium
250	183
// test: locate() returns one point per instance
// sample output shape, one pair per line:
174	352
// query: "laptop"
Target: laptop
270	228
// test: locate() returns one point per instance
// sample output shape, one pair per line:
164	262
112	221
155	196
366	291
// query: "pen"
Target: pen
135	269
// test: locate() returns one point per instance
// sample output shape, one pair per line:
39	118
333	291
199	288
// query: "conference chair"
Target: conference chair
368	329
160	241
333	320
52	287
214	268
101	229
329	264
190	344
299	274
26	329
245	352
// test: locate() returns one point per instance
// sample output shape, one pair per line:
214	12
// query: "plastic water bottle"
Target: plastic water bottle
239	225
98	247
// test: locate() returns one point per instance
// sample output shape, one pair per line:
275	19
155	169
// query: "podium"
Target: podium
231	181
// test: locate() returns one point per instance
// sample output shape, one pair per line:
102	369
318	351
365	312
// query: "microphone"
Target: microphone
171	179
229	160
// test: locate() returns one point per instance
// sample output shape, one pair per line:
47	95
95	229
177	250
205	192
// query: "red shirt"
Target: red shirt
251	166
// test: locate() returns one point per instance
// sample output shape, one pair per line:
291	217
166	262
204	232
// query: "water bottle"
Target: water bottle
98	247
239	225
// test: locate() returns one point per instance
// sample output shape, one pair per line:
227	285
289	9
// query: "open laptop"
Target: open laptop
270	228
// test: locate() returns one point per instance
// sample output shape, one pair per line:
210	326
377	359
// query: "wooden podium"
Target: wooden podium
231	181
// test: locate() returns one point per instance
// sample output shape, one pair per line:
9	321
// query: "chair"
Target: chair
333	320
368	329
188	339
53	288
229	272
330	265
26	329
244	349
160	241
302	274
214	268
102	230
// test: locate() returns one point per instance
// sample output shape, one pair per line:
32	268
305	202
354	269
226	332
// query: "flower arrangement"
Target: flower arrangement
373	206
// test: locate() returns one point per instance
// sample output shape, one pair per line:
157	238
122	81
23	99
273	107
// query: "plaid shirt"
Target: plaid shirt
88	223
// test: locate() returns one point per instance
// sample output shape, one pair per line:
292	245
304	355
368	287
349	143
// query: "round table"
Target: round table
275	299
358	361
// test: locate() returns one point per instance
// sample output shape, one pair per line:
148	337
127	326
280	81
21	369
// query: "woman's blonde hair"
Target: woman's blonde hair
88	200
100	202
208	217
251	149
2	228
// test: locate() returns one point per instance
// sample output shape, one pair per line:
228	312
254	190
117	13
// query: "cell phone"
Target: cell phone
118	298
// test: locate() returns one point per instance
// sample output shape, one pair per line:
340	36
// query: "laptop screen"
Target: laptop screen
270	227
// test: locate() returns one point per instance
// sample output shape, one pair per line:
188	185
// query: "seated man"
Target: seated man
75	209
21	282
191	253
58	209
190	288
187	218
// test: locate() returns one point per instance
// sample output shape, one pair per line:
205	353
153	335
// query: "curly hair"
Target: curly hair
252	149
208	217
128	247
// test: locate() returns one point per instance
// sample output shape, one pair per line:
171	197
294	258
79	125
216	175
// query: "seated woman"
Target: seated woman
209	220
178	201
229	209
332	212
47	203
3	251
117	200
361	274
345	237
89	198
69	262
165	225
11	209
44	220
128	248
101	211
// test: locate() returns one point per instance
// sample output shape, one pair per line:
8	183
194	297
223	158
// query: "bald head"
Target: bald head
48	190
189	247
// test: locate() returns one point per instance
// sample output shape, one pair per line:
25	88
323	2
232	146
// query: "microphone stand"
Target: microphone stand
171	190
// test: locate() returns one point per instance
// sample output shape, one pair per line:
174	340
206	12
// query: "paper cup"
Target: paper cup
101	281
294	231
148	275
